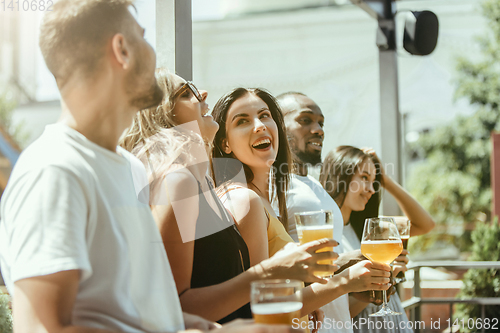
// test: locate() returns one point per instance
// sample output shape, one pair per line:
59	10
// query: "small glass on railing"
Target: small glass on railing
276	301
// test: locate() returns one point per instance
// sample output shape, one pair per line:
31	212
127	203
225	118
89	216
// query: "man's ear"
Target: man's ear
225	146
121	50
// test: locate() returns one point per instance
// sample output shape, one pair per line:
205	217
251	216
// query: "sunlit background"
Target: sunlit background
323	48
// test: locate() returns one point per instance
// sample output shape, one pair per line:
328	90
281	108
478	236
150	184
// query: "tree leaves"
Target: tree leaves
5	314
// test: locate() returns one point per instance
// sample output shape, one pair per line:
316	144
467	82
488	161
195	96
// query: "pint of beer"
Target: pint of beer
316	225
276	301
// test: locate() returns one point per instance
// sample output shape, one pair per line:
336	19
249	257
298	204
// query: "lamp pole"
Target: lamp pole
174	37
390	119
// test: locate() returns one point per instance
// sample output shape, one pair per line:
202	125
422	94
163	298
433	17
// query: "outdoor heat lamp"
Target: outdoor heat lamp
421	32
419	38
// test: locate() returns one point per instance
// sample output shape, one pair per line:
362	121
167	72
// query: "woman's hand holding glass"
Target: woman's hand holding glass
366	275
400	266
381	243
300	262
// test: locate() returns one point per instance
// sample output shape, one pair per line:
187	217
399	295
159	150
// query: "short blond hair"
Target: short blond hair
74	34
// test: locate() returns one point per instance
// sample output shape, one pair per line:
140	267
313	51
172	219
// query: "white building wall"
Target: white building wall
329	53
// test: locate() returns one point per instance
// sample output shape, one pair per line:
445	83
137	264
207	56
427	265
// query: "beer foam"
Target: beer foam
388	241
315	227
276	308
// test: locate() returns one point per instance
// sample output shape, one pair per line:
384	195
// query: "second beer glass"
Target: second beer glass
316	225
276	301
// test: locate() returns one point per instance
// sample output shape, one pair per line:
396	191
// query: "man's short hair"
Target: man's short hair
283	96
73	36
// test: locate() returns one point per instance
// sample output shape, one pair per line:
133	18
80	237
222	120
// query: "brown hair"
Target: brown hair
74	34
338	168
280	170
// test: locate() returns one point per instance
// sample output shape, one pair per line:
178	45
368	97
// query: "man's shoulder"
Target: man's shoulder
54	154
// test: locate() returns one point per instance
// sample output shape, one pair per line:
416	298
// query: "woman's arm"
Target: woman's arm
248	211
178	240
362	276
207	302
421	221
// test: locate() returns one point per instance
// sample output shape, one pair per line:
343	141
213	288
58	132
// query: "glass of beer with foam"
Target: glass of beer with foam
315	225
276	301
381	243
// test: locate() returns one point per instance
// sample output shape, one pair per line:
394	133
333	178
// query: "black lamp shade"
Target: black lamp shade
421	33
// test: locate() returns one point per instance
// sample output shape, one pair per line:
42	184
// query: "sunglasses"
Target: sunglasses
188	85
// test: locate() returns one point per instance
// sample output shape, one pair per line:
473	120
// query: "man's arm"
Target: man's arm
44	304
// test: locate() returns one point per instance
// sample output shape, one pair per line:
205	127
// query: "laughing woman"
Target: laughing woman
209	258
252	133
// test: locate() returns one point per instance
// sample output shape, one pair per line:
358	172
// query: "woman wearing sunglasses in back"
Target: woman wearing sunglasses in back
208	256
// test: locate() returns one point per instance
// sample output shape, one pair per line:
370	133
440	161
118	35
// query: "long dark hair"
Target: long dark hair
337	171
281	167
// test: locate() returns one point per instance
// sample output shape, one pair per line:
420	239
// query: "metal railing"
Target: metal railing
416	301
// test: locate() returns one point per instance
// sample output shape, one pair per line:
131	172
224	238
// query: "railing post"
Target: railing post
483	314
417	293
451	315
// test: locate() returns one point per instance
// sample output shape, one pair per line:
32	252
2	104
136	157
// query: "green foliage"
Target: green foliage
16	132
482	282
5	314
453	183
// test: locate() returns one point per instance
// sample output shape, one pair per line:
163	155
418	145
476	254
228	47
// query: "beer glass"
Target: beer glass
276	301
404	226
316	225
381	243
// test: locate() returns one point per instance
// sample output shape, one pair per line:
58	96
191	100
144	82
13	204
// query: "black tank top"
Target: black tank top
219	256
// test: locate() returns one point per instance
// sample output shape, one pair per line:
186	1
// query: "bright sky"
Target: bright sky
206	9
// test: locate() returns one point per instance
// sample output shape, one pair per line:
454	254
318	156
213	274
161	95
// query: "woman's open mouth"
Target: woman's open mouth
262	144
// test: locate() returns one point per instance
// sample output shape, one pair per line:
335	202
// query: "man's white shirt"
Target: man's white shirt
306	194
71	205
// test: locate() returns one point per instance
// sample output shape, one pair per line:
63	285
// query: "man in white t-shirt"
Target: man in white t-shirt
78	251
304	124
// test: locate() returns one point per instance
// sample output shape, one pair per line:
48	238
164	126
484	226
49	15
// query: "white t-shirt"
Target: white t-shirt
307	194
71	205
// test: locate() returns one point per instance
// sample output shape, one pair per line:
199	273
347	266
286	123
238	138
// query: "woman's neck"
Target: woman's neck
346	213
260	183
